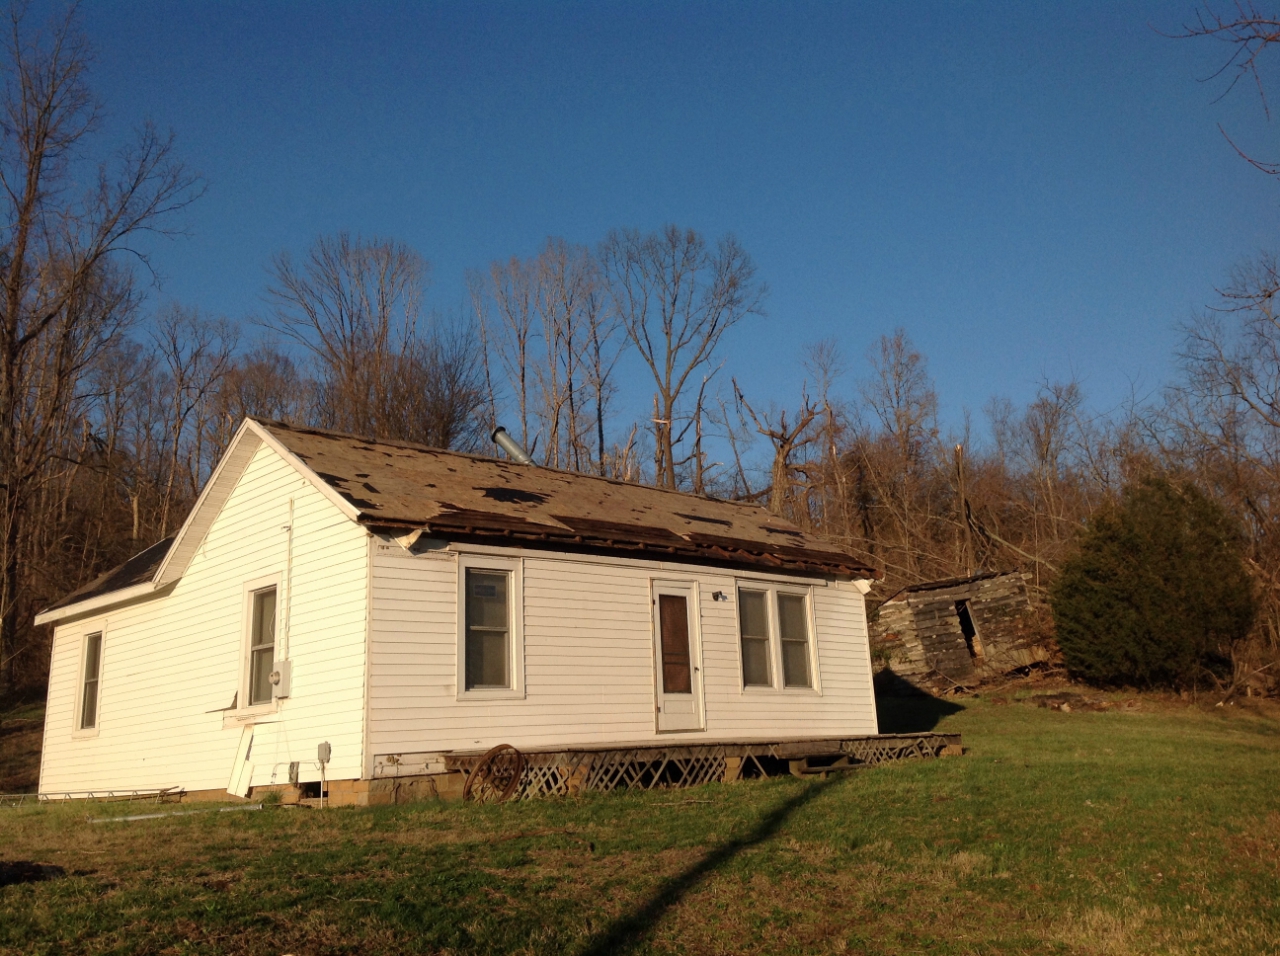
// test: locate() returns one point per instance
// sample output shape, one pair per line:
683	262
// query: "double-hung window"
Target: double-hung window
793	633
89	685
262	646
774	634
753	620
490	655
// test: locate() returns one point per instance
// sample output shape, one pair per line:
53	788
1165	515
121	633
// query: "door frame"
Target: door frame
688	588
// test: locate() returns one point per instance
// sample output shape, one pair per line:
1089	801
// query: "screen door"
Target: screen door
677	659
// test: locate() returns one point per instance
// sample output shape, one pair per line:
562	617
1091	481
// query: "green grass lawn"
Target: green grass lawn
21	730
1149	832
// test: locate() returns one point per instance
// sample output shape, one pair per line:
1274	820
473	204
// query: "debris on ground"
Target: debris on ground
1068	702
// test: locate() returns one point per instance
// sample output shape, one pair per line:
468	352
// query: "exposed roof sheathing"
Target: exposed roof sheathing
399	486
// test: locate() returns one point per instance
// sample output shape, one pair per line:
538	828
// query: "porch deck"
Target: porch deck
563	772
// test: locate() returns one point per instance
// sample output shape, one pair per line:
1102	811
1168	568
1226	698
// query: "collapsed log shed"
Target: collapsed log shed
939	635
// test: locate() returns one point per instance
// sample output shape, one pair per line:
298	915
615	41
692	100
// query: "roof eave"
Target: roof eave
96	603
523	538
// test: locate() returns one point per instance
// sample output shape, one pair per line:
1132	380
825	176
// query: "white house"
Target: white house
400	603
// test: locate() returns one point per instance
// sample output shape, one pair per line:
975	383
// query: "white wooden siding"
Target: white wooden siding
170	663
588	651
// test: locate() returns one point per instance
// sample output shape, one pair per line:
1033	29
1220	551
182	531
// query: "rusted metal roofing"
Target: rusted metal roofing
137	570
402	487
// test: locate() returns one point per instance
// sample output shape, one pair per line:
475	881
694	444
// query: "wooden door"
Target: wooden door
677	658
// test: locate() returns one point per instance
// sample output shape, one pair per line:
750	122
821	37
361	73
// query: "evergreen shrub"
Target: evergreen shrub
1157	592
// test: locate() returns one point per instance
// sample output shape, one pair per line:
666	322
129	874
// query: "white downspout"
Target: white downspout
288	583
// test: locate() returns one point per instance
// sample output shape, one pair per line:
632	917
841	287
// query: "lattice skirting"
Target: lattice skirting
562	773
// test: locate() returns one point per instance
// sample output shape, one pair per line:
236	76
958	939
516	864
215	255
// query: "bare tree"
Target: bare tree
355	304
676	298
66	291
439	393
786	441
197	354
264	382
901	396
565	280
1248	32
561	390
512	288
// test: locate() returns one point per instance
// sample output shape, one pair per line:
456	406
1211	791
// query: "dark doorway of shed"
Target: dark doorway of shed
969	630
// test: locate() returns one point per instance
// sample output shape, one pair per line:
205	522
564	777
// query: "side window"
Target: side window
774	633
488	629
793	630
262	646
89	686
753	623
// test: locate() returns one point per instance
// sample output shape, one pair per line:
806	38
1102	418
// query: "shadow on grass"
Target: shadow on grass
904	709
629	932
13	872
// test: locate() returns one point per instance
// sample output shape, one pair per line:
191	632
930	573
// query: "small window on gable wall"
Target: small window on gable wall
92	677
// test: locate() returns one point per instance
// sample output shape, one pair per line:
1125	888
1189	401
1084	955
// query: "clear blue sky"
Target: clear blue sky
1030	190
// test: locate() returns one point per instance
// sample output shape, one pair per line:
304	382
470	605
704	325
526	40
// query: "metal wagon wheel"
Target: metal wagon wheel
496	775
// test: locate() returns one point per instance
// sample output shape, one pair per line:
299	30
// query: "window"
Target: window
262	646
753	622
773	626
793	628
488	629
92	676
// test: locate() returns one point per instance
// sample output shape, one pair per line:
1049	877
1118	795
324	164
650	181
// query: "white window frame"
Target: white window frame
771	590
84	632
246	642
514	568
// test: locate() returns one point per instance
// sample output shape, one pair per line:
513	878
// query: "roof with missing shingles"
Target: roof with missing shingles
137	570
400	488
403	487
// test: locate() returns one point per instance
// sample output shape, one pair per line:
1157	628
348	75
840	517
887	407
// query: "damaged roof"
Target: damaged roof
137	570
924	586
400	487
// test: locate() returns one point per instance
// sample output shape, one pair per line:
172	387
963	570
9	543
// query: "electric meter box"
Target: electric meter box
280	679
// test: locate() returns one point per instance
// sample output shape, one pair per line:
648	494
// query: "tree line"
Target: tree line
113	413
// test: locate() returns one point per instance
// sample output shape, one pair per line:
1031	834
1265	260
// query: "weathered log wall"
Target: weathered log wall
919	636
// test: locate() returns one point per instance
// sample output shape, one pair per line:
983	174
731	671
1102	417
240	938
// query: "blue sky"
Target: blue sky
1031	190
